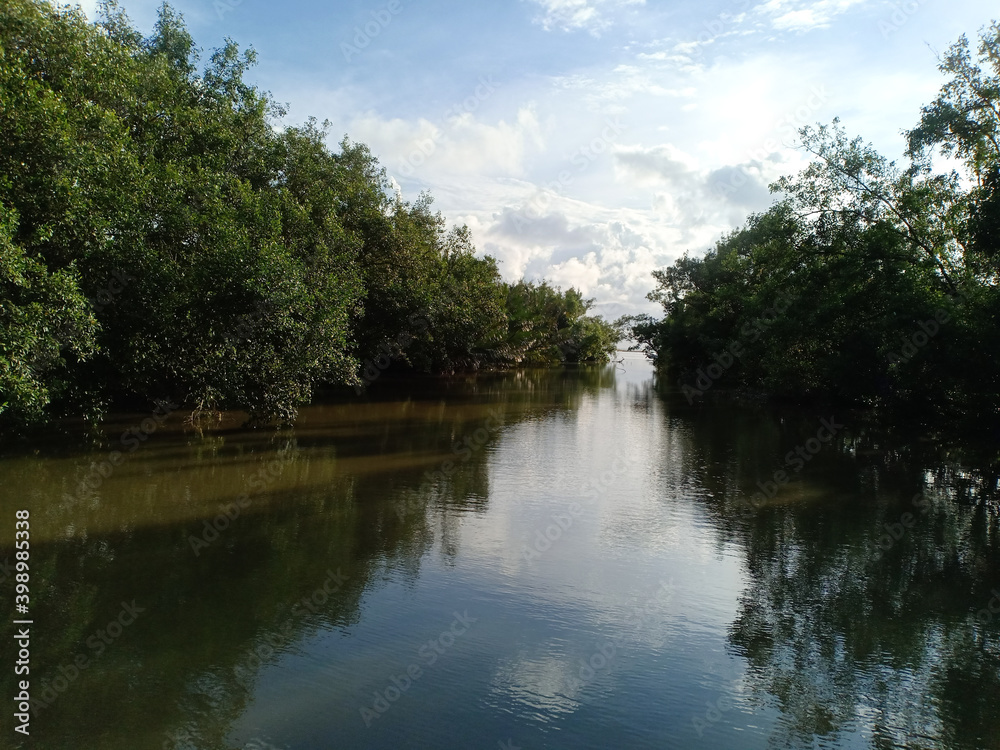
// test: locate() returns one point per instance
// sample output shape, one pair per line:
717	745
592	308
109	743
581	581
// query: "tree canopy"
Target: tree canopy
888	274
162	235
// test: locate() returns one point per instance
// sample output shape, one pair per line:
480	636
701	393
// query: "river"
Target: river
566	558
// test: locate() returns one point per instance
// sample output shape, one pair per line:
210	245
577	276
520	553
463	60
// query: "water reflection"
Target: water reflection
218	580
863	616
599	531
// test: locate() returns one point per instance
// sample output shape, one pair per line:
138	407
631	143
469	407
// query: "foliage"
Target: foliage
44	320
874	261
164	237
546	325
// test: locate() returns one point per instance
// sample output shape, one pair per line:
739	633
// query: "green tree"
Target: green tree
45	325
549	326
879	260
164	237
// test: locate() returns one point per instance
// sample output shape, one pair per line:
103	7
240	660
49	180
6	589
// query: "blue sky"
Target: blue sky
591	141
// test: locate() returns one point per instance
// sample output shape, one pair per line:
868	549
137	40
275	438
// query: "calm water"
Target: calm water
545	559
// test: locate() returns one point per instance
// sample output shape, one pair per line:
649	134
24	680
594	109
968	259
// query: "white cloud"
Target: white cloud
804	15
582	274
463	144
573	15
608	255
688	194
613	91
705	108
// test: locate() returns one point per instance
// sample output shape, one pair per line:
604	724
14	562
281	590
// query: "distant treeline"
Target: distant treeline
867	282
162	237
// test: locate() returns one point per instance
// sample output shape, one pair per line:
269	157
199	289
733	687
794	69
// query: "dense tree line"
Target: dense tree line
162	236
866	282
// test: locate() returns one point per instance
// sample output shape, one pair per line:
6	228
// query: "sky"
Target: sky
590	142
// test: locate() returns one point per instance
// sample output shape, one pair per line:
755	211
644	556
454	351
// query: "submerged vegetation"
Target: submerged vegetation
866	282
162	237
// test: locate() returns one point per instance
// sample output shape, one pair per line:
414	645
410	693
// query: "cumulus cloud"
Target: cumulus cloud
610	258
462	144
554	192
689	194
582	274
597	174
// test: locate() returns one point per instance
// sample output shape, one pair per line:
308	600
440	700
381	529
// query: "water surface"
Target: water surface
567	558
